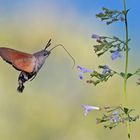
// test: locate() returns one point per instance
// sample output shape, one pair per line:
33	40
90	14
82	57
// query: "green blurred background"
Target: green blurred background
50	107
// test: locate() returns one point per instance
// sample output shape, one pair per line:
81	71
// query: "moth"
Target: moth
28	64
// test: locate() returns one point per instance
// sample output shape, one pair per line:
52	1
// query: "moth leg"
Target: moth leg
33	77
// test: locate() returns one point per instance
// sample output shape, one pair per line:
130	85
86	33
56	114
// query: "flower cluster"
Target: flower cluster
98	77
112	44
112	116
111	16
82	71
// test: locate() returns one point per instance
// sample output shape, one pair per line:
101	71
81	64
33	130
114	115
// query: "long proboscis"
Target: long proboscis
60	45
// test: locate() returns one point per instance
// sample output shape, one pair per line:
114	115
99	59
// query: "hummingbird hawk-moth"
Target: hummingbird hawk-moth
28	64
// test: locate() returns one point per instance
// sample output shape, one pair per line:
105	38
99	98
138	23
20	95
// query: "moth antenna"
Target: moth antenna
48	44
60	45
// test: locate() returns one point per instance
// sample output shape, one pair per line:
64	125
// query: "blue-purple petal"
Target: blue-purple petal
81	75
88	71
95	36
88	108
82	71
80	68
115	55
106	69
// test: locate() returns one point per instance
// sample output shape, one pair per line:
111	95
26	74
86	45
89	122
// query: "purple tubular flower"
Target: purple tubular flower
97	37
106	69
81	75
89	108
115	55
82	71
115	117
94	36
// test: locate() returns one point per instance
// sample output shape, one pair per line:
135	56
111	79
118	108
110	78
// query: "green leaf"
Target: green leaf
122	74
125	110
109	22
128	75
116	38
135	118
98	120
104	18
98	48
99	54
137	71
129	135
96	82
130	110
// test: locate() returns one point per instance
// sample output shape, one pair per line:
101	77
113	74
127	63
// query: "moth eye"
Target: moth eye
45	53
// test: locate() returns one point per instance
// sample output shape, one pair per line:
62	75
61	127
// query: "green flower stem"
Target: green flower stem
126	65
126	55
